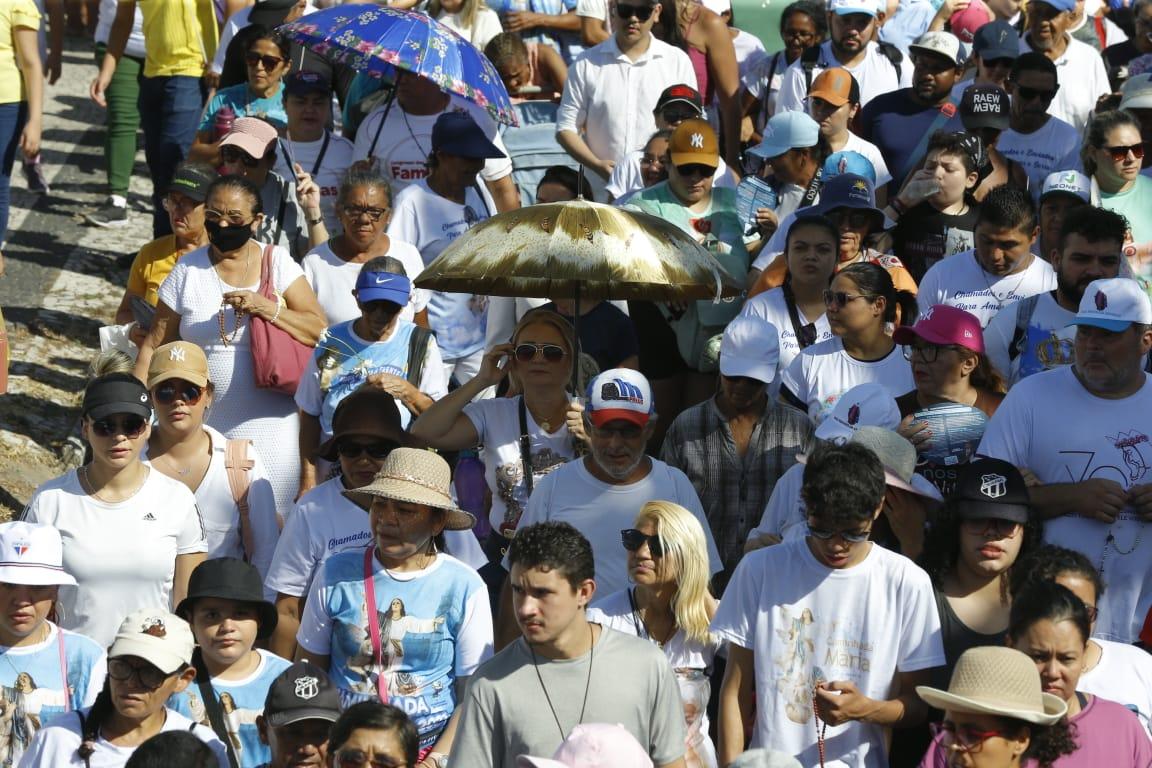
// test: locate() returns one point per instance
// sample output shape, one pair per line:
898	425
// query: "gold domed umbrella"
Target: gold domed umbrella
583	250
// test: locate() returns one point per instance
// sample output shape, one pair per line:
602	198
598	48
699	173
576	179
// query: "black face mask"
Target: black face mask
227	239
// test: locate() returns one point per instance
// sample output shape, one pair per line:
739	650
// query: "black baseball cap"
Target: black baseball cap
680	93
301	692
228	578
303	83
192	180
984	106
116	393
991	488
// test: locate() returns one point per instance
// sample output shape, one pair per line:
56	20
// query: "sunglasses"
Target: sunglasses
674	115
1120	154
129	426
1001	63
350	450
641	12
552	353
149	676
987	526
168	393
355	758
231	154
356	211
841	298
852	537
633	539
269	62
854	219
695	169
1029	94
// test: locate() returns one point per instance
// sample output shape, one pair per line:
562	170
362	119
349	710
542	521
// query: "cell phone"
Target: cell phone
142	312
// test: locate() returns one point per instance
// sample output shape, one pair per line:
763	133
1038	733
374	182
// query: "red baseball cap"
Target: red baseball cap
943	324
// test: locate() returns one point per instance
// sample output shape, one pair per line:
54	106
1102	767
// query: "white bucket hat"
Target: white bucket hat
418	477
32	554
995	680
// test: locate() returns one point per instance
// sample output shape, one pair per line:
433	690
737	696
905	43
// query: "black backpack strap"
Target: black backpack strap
1025	308
212	707
895	56
417	351
809	58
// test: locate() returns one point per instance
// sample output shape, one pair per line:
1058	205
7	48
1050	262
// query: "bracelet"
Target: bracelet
316	221
897	206
280	304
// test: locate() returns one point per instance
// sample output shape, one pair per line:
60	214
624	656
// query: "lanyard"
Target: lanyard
374	624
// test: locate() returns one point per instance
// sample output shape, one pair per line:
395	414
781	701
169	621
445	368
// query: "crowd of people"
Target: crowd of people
884	508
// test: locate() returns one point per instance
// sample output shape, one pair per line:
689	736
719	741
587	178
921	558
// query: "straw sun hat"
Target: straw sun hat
995	680
417	477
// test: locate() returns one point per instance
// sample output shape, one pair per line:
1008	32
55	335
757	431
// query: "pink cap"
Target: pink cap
943	324
594	745
965	23
250	134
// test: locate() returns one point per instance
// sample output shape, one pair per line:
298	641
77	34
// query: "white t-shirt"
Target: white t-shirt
626	179
123	555
823	372
1054	147
327	170
864	624
220	516
1123	675
56	744
135	45
875	74
430	223
1083	79
596	9
600	511
1052	425
1048	339
334	279
406	141
960	281
872	153
771	308
487	26
497	422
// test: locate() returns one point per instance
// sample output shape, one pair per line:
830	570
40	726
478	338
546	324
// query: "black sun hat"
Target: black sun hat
227	578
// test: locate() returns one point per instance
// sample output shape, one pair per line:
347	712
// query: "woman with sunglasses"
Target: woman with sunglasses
373	734
671	606
861	302
946	351
239	516
208	299
132	536
364	209
261	96
1112	155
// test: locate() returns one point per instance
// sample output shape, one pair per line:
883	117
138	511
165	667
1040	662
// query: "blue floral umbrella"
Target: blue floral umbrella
379	40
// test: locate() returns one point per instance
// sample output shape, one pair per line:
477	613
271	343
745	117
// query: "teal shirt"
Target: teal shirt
245	104
1135	205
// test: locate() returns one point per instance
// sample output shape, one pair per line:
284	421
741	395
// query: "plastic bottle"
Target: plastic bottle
471	488
225	117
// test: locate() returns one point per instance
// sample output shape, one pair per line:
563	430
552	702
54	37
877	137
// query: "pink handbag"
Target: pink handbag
278	359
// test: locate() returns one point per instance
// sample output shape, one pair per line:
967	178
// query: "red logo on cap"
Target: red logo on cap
1101	301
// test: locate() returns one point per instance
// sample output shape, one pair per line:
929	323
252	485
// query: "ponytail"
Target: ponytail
873	280
90	725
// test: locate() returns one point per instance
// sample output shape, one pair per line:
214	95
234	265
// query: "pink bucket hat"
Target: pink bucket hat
943	324
251	135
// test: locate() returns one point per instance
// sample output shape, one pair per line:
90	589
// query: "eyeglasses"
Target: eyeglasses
1029	94
552	353
1092	612
841	298
695	169
648	159
173	204
853	218
232	154
929	353
967	740
989	526
675	115
129	426
149	676
168	393
379	450
270	62
633	539
1120	154
356	211
355	758
233	220
641	12
852	537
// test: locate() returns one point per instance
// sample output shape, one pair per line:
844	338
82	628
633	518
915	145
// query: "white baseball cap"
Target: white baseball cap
750	347
943	44
1136	93
620	394
161	638
1068	182
1114	304
718	7
864	405
845	7
32	554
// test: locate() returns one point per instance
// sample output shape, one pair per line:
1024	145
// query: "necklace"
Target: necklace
821	728
90	489
181	472
642	628
1110	540
587	683
992	291
237	314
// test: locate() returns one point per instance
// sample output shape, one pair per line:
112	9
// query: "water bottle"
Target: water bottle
225	117
751	193
471	488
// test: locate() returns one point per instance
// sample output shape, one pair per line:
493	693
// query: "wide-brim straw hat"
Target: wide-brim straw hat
417	477
1000	681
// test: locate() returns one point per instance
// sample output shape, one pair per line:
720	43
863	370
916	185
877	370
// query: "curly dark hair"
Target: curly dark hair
1047	743
843	483
1048	562
554	546
815	12
942	546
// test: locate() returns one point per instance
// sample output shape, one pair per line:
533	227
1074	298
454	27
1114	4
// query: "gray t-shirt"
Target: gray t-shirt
505	713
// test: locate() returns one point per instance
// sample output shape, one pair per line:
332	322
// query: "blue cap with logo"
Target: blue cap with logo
996	40
383	286
849	190
847	161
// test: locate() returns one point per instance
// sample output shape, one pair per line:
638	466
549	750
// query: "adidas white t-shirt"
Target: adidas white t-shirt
960	281
123	555
823	372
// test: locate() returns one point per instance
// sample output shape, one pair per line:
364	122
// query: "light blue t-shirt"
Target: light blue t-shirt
241	702
269	109
1135	205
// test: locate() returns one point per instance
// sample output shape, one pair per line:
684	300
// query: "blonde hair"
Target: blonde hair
468	13
683	542
547	317
110	361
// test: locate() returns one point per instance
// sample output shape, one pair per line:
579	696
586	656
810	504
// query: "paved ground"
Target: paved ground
62	283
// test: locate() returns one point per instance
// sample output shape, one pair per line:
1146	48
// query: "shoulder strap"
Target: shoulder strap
1024	311
808	59
212	706
525	445
805	334
284	192
1101	31
238	466
895	56
946	111
768	84
417	352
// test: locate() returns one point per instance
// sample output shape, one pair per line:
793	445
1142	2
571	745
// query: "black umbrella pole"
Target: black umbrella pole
576	335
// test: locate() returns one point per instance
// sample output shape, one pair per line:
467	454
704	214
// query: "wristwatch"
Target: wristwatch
313	222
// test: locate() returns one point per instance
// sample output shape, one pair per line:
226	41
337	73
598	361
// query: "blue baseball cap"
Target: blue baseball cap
785	131
846	161
456	133
996	40
849	190
1060	5
383	286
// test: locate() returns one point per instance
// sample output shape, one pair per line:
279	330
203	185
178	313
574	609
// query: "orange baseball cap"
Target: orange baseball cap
694	141
836	86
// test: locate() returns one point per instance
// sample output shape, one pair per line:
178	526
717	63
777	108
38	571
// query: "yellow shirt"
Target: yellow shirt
151	265
179	36
13	14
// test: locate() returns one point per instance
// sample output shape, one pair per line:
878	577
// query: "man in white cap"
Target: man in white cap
601	493
1083	431
736	445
